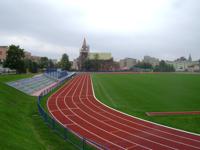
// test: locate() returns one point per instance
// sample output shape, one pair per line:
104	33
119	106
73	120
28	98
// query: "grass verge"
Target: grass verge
21	126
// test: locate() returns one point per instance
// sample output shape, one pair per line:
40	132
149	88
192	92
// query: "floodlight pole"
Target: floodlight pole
199	65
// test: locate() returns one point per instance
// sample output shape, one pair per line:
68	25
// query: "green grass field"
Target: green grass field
21	127
136	94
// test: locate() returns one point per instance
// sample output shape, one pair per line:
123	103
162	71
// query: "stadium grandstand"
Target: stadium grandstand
57	74
38	83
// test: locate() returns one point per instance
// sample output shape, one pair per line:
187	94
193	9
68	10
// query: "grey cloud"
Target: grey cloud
175	34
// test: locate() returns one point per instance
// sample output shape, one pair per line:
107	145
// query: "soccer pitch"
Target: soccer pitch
136	94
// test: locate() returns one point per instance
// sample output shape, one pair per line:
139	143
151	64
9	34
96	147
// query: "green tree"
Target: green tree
43	63
143	65
96	62
1	62
15	59
34	67
31	66
51	64
88	65
164	67
64	62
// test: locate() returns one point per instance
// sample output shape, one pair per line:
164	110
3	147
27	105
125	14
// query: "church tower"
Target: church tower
85	48
83	54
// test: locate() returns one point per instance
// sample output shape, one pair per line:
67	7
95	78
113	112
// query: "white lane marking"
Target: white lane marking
83	127
89	141
147	121
102	122
120	123
134	129
131	147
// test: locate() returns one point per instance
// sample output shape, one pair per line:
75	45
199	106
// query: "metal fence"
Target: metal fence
78	141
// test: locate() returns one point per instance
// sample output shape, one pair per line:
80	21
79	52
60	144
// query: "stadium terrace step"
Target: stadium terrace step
31	85
35	85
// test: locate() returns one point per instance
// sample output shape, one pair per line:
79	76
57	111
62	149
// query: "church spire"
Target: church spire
84	43
85	47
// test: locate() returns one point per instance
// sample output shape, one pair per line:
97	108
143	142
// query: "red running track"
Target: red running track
75	107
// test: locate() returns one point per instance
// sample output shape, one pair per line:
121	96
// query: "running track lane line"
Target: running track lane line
150	125
74	93
82	86
146	140
115	135
170	138
54	110
180	143
79	93
74	122
172	143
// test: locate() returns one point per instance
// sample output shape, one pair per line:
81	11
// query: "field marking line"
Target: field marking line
80	125
131	147
89	141
146	132
55	110
82	82
69	124
167	127
91	95
70	109
84	79
102	121
119	123
61	88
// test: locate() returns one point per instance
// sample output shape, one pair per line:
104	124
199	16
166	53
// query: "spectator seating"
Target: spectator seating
31	85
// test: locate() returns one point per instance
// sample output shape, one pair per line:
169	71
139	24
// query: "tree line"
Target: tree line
16	59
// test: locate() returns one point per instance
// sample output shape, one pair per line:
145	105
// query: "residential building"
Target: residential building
151	60
27	55
35	58
194	68
3	52
75	64
127	63
182	64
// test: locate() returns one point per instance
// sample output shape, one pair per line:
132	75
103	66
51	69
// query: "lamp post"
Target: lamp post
199	65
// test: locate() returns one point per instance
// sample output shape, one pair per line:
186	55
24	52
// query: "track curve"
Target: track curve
75	107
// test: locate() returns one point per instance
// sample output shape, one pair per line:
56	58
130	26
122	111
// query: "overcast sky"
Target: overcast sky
166	29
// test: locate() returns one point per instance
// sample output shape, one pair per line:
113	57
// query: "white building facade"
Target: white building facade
151	60
127	63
